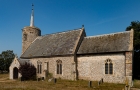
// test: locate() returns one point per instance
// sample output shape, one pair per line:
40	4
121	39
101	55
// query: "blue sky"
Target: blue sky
51	16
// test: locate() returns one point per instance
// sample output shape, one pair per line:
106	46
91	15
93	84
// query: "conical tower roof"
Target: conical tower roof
32	17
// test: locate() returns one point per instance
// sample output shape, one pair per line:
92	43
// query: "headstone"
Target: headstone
127	87
132	84
102	80
21	79
42	78
50	79
99	83
89	83
38	79
55	80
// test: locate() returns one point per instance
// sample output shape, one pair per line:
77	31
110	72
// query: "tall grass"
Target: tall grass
136	84
7	84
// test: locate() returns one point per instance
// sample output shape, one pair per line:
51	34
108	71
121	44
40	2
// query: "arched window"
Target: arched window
39	67
108	67
59	66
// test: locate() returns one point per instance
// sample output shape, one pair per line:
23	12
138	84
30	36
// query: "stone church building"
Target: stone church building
73	55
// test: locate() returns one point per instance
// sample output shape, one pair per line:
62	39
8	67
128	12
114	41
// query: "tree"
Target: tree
1	64
136	26
136	67
6	58
27	71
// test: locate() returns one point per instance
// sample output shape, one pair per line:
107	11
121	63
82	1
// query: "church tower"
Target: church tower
29	33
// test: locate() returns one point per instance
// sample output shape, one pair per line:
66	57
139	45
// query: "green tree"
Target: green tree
27	70
136	59
6	58
1	64
136	26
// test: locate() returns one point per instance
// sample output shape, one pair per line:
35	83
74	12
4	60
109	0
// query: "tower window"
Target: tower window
108	67
59	66
24	37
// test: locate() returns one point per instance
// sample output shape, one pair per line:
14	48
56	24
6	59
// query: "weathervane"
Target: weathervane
32	6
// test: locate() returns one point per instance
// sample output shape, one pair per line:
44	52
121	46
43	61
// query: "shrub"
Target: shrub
28	71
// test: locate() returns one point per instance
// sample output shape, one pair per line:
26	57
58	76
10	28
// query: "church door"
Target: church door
15	73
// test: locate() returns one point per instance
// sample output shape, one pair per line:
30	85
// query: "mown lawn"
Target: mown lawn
6	84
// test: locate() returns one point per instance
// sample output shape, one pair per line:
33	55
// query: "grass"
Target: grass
6	84
136	84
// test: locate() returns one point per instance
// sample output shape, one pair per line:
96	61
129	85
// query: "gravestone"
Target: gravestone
55	80
89	83
50	79
21	79
42	78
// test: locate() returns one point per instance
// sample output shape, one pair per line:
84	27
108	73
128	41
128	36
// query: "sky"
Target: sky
52	16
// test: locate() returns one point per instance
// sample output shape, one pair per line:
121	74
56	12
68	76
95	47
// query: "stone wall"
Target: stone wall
128	65
93	67
14	64
68	67
29	34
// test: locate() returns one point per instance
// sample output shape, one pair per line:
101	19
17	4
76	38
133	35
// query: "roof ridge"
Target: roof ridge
63	31
107	34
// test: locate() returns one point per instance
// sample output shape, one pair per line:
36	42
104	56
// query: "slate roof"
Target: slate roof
23	61
62	43
116	42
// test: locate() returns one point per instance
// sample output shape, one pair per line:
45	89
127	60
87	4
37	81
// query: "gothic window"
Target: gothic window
39	67
24	37
59	66
46	66
108	67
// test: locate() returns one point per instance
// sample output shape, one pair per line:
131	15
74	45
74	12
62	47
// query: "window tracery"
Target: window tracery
59	66
108	66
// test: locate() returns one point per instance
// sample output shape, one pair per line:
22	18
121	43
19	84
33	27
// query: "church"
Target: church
72	55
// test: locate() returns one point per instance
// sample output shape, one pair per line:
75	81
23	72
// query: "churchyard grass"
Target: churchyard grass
136	83
7	84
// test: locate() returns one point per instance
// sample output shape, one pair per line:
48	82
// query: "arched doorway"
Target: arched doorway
15	73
